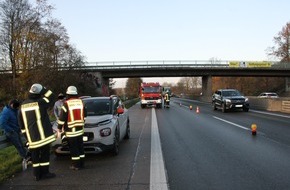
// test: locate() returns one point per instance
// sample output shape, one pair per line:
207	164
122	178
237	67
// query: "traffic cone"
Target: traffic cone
197	109
190	107
254	129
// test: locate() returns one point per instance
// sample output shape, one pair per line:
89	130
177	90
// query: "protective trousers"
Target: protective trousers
40	160
76	147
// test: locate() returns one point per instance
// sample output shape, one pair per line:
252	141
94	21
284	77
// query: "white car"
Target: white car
268	95
106	124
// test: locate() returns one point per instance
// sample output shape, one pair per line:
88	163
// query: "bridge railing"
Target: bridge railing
161	64
154	64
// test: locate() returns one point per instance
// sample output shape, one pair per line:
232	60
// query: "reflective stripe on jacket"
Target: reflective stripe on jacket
72	117
34	121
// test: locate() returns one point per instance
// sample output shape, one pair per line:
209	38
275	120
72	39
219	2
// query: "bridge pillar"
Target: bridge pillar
206	88
287	84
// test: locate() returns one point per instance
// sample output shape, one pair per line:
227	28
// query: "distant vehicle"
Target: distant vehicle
268	95
229	99
150	94
106	124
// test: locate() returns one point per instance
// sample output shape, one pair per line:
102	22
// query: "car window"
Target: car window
231	93
272	94
97	107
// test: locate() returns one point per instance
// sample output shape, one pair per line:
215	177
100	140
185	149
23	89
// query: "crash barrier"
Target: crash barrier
270	104
286	106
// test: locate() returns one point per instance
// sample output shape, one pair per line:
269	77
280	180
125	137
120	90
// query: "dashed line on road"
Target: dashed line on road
158	180
242	127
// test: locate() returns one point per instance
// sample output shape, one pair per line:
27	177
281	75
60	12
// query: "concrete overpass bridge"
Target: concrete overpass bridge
102	71
197	68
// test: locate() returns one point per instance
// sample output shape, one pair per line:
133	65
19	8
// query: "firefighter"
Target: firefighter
71	120
34	122
166	99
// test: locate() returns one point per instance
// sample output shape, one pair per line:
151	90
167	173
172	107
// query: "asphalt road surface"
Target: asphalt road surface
178	148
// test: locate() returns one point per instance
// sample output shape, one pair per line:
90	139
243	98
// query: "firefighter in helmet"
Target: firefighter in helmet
34	122
71	120
166	99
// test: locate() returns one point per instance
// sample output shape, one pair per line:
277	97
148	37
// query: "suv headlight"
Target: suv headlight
228	101
246	99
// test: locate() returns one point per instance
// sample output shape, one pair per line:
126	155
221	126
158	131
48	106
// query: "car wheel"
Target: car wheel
115	150
214	106
143	106
127	135
224	110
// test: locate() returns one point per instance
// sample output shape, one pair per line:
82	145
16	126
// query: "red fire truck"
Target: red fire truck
150	94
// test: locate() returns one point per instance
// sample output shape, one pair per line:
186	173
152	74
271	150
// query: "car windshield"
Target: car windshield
231	93
95	107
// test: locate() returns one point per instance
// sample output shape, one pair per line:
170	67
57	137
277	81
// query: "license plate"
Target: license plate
239	106
85	138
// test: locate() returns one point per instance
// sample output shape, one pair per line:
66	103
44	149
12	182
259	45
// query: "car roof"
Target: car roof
100	98
269	93
228	89
274	93
97	98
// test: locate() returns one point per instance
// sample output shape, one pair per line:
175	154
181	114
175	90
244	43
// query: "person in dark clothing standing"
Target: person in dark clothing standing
71	119
9	123
34	122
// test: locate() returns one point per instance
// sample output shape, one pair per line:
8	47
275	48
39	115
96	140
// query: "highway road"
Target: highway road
177	148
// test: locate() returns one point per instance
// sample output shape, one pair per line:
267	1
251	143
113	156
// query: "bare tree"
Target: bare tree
132	87
18	20
282	48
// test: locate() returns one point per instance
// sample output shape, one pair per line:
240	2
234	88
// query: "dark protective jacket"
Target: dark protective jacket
34	120
71	117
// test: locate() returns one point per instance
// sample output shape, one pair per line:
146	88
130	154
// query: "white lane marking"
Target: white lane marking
242	127
158	179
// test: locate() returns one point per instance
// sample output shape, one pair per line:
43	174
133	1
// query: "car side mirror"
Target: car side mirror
120	110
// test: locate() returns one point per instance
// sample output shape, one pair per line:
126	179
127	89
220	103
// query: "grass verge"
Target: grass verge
10	162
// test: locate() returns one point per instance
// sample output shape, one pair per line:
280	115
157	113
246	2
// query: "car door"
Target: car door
218	98
122	119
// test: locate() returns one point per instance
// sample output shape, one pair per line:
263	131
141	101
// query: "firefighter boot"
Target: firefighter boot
45	174
36	173
82	163
75	165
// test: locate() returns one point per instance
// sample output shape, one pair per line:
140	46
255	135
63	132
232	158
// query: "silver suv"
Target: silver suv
229	99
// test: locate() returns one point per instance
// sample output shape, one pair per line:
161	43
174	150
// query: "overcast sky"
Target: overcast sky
138	30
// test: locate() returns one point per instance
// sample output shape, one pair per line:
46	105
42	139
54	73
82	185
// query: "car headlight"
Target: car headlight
246	99
105	132
228	101
92	125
